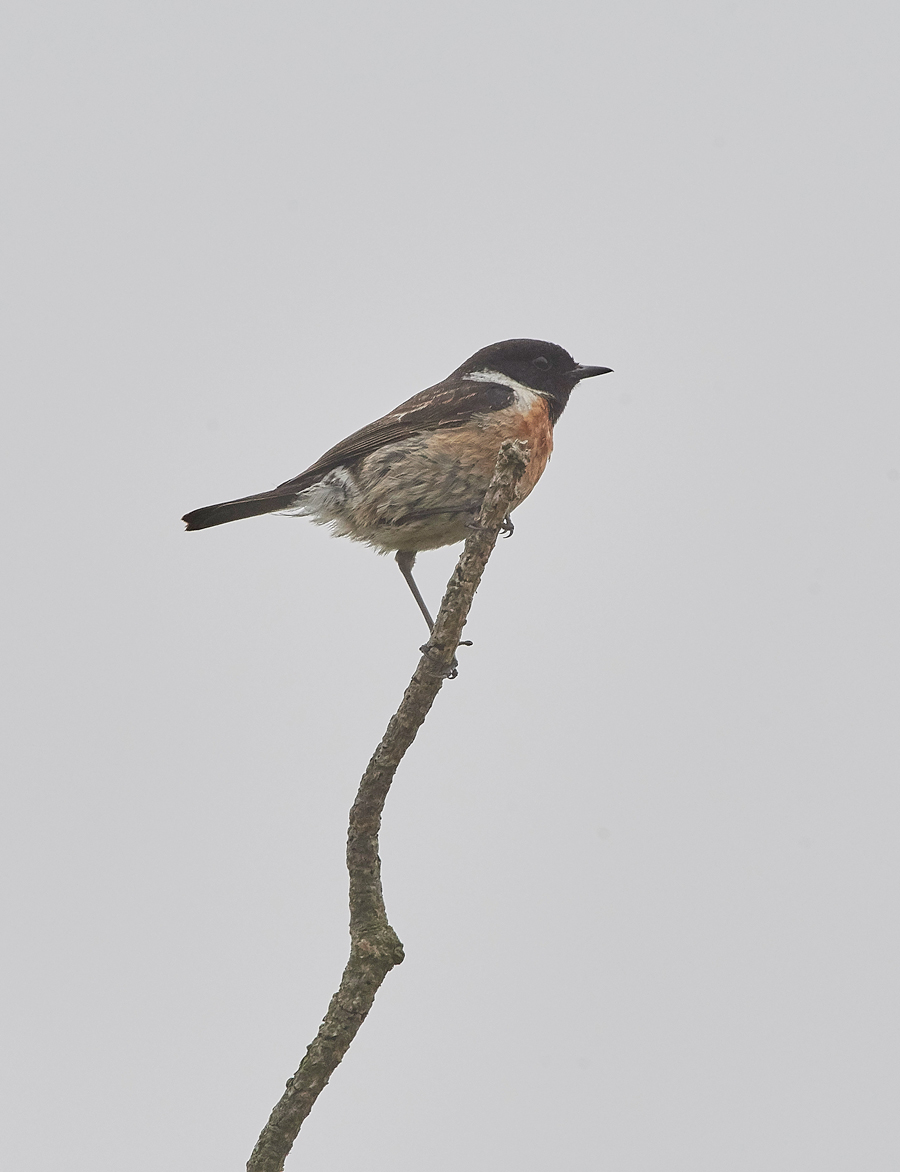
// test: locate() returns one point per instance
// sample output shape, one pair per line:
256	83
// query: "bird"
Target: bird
414	479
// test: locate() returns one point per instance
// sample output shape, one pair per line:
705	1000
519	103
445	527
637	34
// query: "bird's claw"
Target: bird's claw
453	670
506	527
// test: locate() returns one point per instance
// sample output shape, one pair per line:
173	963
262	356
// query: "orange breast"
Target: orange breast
531	425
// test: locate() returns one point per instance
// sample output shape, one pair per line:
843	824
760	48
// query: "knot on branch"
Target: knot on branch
381	944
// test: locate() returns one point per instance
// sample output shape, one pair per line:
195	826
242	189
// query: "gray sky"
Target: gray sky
643	856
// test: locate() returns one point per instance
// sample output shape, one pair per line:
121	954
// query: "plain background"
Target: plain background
643	856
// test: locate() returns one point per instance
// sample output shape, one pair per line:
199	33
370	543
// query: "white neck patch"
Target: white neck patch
525	395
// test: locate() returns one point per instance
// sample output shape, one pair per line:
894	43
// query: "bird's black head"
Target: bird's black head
540	366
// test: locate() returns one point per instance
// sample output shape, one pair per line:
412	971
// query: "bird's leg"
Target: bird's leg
406	560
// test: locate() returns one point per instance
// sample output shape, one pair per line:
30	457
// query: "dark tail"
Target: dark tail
246	506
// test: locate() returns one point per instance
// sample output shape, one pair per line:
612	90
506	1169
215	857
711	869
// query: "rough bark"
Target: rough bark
374	945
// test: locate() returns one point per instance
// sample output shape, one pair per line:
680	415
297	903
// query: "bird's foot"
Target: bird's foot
506	528
453	670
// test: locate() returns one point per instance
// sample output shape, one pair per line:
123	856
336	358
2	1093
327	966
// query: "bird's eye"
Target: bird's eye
541	363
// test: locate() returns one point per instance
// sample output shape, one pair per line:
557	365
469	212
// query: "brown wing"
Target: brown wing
448	404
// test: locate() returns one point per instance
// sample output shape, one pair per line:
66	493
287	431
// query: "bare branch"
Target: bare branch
374	946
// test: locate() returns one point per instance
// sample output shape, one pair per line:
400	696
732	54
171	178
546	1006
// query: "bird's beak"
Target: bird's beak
581	372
